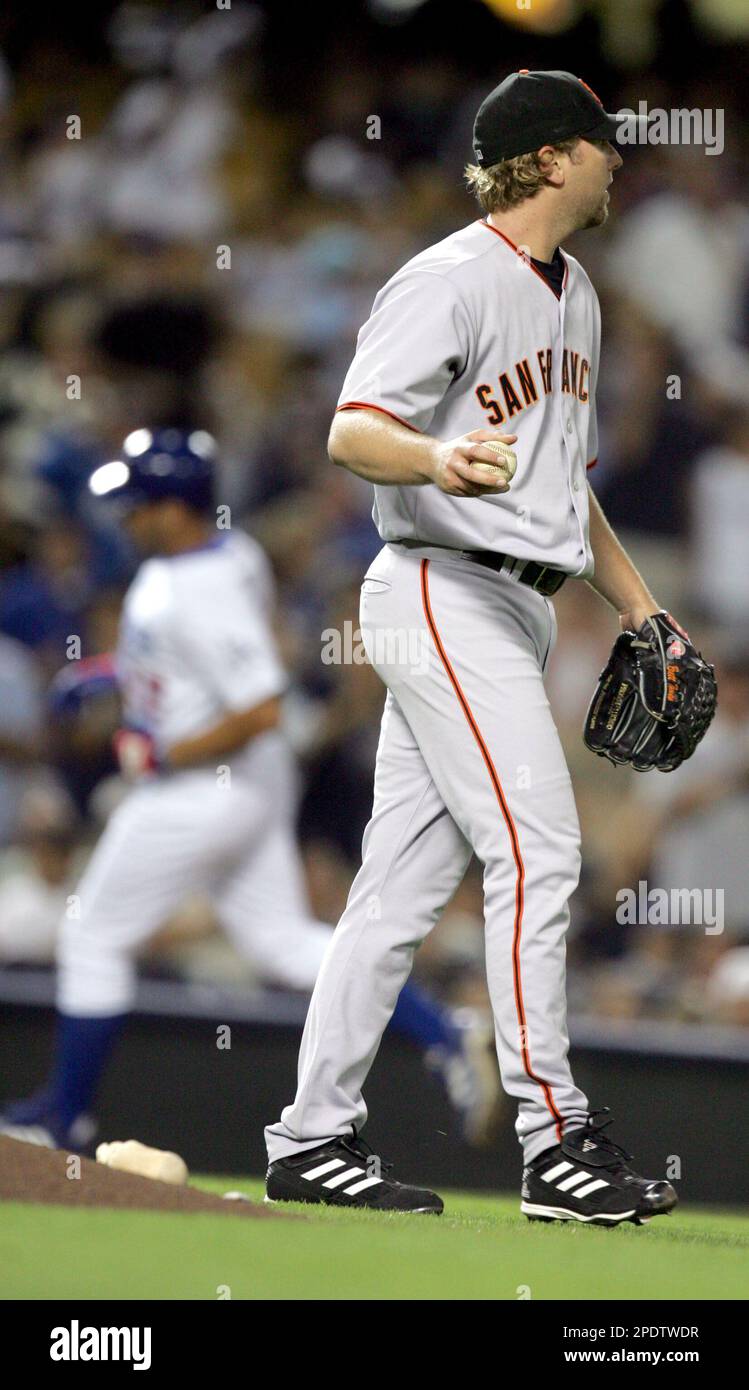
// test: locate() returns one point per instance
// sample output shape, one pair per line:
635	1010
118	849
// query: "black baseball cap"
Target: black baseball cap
531	109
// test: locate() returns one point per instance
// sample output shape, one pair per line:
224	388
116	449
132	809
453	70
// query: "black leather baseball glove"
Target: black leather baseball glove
654	700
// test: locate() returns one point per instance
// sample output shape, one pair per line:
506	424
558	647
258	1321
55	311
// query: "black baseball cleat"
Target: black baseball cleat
586	1178
344	1173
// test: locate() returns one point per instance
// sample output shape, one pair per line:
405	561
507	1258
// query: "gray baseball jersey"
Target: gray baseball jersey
469	335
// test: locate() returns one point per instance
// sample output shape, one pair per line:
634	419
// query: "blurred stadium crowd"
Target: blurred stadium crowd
204	254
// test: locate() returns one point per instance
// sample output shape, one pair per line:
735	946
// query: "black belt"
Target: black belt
543	578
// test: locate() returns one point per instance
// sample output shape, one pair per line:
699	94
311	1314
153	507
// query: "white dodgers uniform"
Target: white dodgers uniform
468	335
195	644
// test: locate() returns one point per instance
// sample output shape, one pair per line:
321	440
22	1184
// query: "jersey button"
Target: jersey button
575	486
569	427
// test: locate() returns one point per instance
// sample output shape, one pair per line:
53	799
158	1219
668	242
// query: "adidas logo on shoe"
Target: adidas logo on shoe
327	1174
587	1178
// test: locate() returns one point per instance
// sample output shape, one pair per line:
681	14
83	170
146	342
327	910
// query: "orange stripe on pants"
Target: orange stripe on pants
507	817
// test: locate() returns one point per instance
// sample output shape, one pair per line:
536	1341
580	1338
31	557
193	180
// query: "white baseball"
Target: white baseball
507	459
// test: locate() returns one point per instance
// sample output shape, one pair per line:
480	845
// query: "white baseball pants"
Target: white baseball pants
469	760
183	833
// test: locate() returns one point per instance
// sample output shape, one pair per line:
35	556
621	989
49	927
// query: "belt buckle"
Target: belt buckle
509	567
539	577
558	579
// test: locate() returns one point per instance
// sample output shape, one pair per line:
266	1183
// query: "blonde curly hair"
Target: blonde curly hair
502	186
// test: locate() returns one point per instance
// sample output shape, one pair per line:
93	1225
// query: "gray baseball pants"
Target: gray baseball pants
469	760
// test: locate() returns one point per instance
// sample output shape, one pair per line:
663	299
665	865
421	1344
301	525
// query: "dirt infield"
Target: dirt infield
32	1174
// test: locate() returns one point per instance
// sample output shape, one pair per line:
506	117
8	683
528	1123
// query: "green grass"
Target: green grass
480	1249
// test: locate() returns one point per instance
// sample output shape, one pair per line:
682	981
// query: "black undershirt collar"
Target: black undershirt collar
552	271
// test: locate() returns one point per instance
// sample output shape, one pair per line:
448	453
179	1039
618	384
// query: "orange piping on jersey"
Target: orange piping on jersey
366	405
519	866
483	223
592	463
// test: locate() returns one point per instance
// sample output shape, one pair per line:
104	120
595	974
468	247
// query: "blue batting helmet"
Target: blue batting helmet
156	464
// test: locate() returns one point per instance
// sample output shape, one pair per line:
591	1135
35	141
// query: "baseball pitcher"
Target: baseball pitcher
470	405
